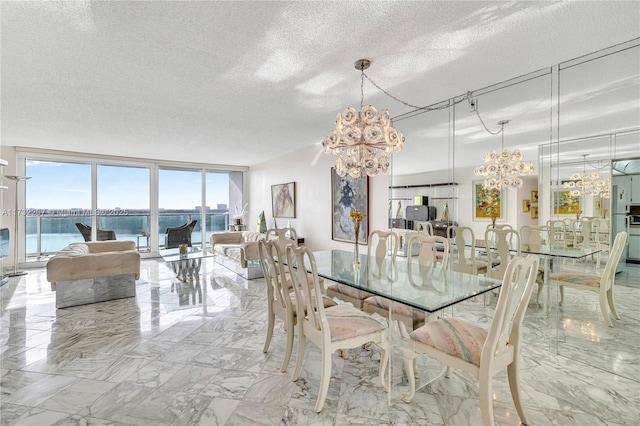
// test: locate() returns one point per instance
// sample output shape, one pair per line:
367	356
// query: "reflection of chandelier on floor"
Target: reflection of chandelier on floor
502	170
363	142
587	183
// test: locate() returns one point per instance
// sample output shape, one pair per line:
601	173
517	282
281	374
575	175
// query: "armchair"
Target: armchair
85	230
179	235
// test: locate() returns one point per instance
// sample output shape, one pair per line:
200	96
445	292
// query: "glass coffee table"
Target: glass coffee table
185	266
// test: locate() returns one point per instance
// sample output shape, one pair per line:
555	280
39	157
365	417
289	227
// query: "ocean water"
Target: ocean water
51	243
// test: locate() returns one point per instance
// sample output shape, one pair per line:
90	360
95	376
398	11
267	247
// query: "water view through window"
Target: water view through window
59	200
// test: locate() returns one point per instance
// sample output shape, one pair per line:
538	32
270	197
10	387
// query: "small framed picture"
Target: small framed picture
526	206
534	196
534	212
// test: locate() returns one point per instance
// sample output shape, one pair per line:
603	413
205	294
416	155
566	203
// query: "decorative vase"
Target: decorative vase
356	255
493	221
445	213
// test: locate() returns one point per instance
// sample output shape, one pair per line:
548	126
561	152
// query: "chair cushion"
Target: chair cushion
590	280
348	291
347	322
454	337
398	308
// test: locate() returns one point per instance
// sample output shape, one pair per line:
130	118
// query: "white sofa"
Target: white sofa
94	271
238	251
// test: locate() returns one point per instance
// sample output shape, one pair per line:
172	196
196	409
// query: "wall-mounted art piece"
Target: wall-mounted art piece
488	203
534	212
565	203
526	206
283	199
534	196
349	194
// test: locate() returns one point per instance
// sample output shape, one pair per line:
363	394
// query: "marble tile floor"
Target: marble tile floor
179	355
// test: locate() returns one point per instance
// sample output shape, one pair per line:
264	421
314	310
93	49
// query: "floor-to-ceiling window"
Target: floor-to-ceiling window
123	202
58	196
135	199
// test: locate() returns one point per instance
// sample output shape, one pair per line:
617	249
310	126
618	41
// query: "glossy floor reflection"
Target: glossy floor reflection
178	354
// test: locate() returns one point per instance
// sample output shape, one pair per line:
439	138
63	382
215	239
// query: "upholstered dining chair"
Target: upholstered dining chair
427	256
281	298
179	235
465	259
101	235
499	243
465	346
283	236
339	327
601	284
532	237
382	245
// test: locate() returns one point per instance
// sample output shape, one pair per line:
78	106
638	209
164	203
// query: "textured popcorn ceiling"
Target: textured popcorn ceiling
240	82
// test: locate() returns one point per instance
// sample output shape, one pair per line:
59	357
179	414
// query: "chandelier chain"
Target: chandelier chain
486	128
408	104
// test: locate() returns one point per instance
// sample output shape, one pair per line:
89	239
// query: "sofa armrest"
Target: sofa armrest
105	246
248	251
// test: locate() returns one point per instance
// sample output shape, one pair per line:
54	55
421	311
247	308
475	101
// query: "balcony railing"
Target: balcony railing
46	234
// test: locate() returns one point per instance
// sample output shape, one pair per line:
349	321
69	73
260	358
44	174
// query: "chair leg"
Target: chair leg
270	324
612	304
324	380
538	294
409	358
384	360
604	307
486	402
561	294
289	349
514	385
299	355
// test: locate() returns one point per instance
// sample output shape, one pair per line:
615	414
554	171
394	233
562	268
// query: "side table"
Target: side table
147	246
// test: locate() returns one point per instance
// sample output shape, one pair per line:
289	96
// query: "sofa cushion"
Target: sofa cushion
252	236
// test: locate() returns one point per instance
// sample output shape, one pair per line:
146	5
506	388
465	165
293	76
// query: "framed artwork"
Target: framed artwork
349	194
534	196
526	206
487	202
534	212
283	199
564	203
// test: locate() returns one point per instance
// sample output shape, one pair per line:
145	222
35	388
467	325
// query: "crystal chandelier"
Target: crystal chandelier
363	142
587	183
502	170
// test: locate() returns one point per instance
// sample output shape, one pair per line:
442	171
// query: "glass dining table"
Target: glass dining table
404	281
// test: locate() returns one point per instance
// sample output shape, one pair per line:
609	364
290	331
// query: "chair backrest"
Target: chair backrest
308	294
609	272
85	230
533	235
179	235
499	244
556	233
277	289
280	236
517	285
386	244
425	227
428	249
585	228
465	242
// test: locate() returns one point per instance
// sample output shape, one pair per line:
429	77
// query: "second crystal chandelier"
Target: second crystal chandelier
502	170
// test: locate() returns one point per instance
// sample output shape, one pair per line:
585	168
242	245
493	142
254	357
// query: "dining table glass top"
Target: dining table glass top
559	251
404	280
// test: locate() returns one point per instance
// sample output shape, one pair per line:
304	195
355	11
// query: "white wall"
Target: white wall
310	169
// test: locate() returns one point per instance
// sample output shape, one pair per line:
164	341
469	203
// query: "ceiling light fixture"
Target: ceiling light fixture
502	170
587	183
363	142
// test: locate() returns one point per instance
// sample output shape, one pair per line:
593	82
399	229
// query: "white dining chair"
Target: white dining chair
465	259
601	284
281	302
501	246
427	246
339	327
533	237
468	347
381	245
